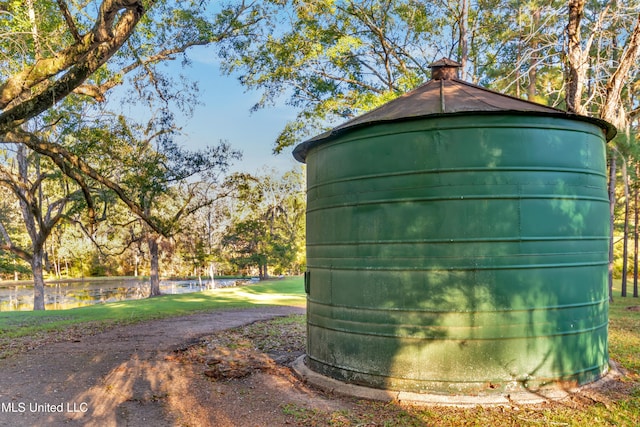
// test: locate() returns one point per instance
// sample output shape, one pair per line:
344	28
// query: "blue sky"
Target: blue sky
225	114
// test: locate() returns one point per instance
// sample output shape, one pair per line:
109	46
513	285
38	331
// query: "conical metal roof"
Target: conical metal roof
445	94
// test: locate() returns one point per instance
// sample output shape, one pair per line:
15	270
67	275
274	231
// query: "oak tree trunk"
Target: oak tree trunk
212	272
576	59
38	280
154	278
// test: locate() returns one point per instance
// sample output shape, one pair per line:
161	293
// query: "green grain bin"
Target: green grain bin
457	242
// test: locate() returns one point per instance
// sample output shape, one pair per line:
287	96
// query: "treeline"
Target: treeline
244	225
624	188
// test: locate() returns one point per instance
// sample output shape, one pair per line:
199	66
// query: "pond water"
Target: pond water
62	295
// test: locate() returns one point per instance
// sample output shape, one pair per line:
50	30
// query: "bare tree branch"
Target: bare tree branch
612	110
22	94
69	20
73	165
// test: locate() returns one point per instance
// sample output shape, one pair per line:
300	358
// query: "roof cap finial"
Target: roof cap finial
444	69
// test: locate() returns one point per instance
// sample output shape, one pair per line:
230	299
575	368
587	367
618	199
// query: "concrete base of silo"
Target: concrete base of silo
556	392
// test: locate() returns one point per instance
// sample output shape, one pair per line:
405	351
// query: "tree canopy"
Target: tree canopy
59	61
57	57
334	59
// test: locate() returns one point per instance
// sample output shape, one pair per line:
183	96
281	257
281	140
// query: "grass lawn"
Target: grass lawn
21	330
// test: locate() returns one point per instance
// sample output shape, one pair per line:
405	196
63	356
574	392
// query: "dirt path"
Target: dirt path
127	377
